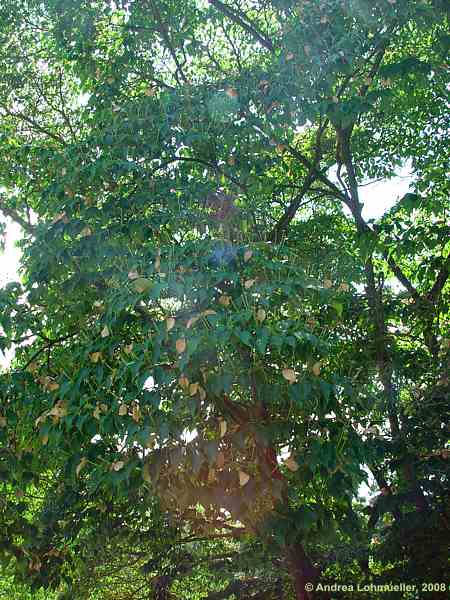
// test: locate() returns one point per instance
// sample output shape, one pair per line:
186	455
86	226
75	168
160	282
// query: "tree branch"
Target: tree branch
313	174
14	215
200	161
375	301
402	277
48	346
34	125
290	212
320	176
441	280
163	30
239	20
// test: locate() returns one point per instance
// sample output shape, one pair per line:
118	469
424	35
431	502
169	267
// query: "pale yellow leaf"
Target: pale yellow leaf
249	283
95	356
225	300
231	92
170	323
192	321
183	381
157	264
316	368
40	419
291	464
123	410
59	217
105	332
260	315
327	284
180	345
209	312
119	464
344	287
86	232
136	413
59	410
222	427
151	441
243	478
193	389
289	375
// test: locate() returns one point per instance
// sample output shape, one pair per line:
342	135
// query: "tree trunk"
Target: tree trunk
375	301
304	574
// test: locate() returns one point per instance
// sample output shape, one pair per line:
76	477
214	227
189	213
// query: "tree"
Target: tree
209	336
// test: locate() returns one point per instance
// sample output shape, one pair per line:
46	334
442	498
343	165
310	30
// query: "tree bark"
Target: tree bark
304	574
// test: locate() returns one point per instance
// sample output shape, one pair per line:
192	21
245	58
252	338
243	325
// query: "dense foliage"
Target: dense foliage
213	346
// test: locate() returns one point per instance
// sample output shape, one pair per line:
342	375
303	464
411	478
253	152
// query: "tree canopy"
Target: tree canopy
214	346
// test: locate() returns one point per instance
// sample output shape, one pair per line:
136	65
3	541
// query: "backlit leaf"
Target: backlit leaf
244	478
289	375
224	300
247	255
180	345
222	427
291	464
170	323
